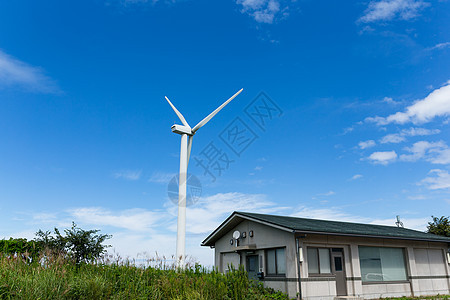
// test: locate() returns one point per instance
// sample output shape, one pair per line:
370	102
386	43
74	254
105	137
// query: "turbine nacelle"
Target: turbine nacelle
180	129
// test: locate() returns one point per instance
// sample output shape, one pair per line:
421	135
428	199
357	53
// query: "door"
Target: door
338	268
252	266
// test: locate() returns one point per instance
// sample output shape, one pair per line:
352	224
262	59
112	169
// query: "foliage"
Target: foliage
439	226
62	278
20	246
81	245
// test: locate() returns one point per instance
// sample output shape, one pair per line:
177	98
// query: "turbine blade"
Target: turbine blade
209	117
189	147
182	119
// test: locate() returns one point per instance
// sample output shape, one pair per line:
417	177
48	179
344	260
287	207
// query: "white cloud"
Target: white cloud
128	174
357	176
386	10
419	131
333	213
141	233
437	179
132	219
401	137
393	138
411	223
329	193
436	104
440	46
366	144
434	152
210	211
14	72
263	11
161	177
390	101
383	157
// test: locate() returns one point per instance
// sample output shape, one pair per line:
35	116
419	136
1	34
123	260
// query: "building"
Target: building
333	259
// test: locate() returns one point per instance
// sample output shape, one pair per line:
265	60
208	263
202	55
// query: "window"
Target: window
276	261
382	264
319	261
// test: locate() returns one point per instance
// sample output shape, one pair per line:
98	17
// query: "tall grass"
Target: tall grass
57	278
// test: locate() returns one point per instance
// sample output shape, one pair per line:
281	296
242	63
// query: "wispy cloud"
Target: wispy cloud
401	136
386	10
138	230
440	46
329	193
366	144
436	104
437	179
131	219
210	211
357	176
383	157
332	213
128	174
161	177
14	72
411	223
390	101
263	11
434	152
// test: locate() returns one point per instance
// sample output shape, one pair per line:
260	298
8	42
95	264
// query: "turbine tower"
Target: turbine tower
187	134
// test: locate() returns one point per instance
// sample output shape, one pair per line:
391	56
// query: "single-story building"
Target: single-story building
320	259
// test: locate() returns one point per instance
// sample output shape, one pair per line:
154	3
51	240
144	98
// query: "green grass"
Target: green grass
60	278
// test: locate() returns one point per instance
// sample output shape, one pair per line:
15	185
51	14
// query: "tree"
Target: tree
85	245
439	226
81	245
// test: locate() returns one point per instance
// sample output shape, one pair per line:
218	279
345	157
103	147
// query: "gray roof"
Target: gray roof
303	225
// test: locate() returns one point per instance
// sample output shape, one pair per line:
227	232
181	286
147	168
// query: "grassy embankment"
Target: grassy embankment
60	278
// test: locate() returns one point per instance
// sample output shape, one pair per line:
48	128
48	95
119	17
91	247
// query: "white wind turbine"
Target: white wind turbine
186	145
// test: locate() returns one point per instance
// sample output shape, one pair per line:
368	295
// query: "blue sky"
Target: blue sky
360	131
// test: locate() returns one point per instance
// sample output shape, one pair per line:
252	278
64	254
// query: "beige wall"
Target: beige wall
427	268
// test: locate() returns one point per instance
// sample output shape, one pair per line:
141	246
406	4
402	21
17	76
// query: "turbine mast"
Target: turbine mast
181	224
187	133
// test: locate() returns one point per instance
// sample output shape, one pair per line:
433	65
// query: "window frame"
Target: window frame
276	274
405	264
318	262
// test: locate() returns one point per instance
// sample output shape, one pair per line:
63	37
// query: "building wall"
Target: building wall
428	271
264	238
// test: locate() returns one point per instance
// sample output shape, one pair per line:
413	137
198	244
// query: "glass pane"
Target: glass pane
393	264
382	264
281	261
324	260
370	261
313	261
338	263
271	262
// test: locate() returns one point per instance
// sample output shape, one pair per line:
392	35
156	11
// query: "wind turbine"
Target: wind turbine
187	134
